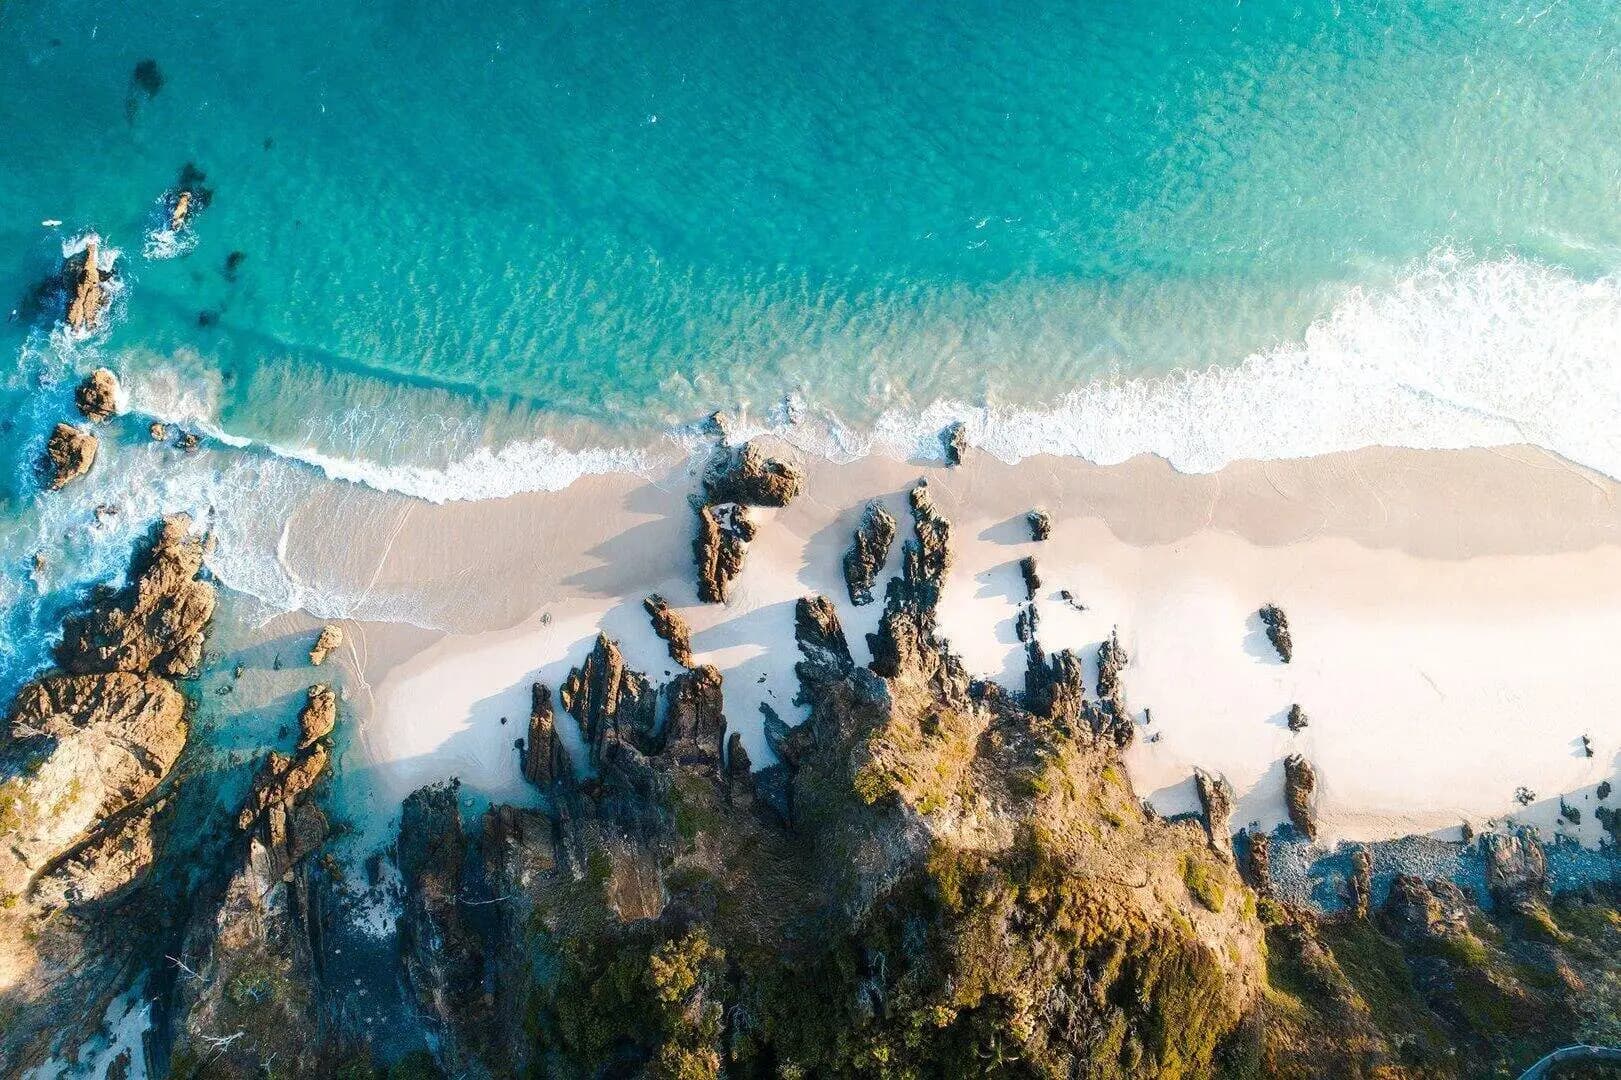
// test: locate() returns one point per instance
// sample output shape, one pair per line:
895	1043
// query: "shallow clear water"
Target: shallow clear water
495	224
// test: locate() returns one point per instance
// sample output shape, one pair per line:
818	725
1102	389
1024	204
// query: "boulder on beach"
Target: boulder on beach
69	454
318	716
671	628
97	396
1277	631
1041	526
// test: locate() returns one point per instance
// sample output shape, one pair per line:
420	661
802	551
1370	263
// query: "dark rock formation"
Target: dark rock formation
69	454
1297	718
695	722
443	955
608	699
1300	793
718	549
1041	526
97	396
1516	868
671	627
328	641
1258	863
869	550
1216	799
1032	579
955	441
825	650
189	196
1114	716
318	716
155	622
748	477
1418	912
545	762
1361	882
1277	631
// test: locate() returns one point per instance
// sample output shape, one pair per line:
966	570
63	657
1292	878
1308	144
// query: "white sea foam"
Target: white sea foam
1458	353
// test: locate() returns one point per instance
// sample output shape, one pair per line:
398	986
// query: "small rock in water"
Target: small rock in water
955	440
233	263
97	396
158	431
148	77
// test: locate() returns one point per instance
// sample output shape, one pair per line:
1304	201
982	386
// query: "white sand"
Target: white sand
1455	617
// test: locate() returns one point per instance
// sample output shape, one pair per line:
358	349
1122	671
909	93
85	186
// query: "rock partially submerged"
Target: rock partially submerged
869	551
1300	794
327	642
155	622
954	439
671	627
97	396
87	296
1277	631
1361	882
69	454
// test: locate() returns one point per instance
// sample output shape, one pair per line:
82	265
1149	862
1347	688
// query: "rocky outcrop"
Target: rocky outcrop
869	551
86	288
695	721
822	644
671	627
1300	794
1361	882
69	454
1114	717
1418	912
84	754
954	440
1041	526
318	716
1277	631
734	480
1516	868
155	622
609	699
1216	800
1258	863
328	641
545	762
444	956
97	396
718	548
748	477
77	750
254	984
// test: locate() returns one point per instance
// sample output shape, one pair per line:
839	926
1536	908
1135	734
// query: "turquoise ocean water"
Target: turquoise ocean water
488	246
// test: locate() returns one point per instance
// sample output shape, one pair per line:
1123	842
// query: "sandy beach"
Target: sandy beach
1453	615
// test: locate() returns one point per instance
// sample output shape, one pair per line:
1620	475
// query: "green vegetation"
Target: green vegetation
1202	883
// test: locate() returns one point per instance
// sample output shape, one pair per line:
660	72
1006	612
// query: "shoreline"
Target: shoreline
1449	609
